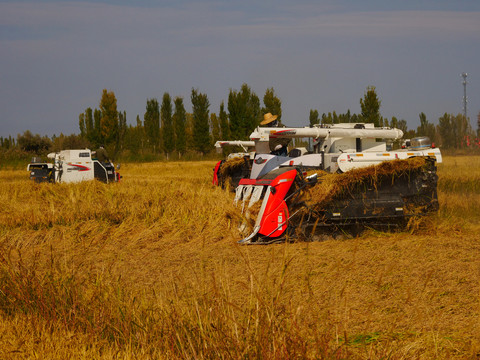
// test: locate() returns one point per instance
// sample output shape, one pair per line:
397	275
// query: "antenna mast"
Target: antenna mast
464	75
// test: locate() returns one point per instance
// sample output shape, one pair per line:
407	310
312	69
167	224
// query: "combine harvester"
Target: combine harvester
348	182
72	166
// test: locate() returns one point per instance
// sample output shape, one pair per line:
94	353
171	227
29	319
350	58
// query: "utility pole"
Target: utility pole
464	75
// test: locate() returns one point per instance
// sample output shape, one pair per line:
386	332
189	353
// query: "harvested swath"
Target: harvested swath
231	165
334	186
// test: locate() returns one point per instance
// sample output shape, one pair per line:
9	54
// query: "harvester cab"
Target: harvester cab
72	166
347	181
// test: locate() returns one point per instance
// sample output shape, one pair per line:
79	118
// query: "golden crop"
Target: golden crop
150	268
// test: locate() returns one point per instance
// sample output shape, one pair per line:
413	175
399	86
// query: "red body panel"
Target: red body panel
215	173
80	167
275	216
255	182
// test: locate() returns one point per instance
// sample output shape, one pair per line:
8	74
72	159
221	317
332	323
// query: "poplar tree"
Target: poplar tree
81	125
370	105
85	122
244	112
122	129
201	133
167	125
109	120
215	127
445	129
151	121
179	121
426	128
272	104
97	134
314	117
224	125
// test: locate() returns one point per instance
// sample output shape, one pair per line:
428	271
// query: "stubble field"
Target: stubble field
150	268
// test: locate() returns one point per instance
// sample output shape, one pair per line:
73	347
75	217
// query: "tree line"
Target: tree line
451	132
168	130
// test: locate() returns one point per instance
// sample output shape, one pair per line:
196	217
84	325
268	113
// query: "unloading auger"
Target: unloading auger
348	180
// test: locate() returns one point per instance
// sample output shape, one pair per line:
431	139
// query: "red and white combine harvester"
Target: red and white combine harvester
350	179
72	166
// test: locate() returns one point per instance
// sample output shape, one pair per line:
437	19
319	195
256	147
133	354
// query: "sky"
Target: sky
56	57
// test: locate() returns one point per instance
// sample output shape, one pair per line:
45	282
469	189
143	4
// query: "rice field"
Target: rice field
150	268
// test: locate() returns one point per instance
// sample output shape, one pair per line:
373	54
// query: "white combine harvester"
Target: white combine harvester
279	183
72	166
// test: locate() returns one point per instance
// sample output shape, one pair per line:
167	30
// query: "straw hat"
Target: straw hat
268	118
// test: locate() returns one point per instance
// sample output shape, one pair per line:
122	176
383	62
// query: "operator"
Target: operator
102	155
278	146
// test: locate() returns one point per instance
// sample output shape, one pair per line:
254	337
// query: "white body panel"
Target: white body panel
348	161
251	155
73	165
245	144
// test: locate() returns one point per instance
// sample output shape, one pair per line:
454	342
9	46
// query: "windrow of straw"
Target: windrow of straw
335	186
231	165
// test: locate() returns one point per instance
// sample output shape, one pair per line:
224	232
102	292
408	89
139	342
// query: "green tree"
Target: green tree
244	112
445	130
426	128
134	138
66	142
151	122
109	120
8	143
224	125
122	129
97	135
189	128
88	130
314	117
167	124
201	133
454	131
402	125
327	119
215	127
394	122
463	131
81	125
179	119
33	143
345	118
89	126
370	105
335	118
272	104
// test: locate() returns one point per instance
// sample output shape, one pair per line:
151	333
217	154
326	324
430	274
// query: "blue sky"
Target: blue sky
57	56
